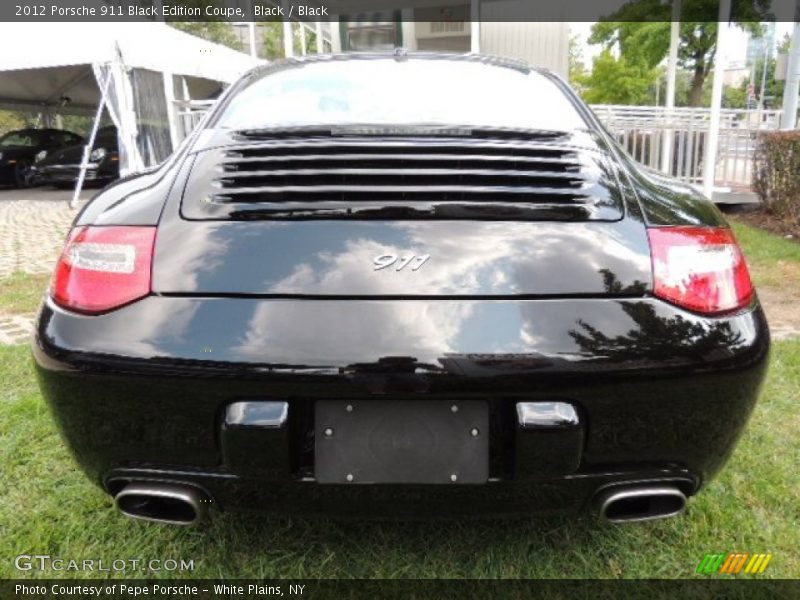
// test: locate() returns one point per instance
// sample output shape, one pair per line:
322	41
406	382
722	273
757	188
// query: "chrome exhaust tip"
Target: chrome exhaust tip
633	504
176	504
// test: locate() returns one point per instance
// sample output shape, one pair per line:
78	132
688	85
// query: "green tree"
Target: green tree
272	38
735	97
11	120
83	124
577	70
618	81
212	31
311	39
641	31
785	44
773	89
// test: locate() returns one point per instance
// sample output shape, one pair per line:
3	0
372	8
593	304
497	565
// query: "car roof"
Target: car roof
399	54
41	130
26	130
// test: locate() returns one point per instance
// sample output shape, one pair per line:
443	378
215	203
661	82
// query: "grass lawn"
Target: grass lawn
773	261
21	293
48	507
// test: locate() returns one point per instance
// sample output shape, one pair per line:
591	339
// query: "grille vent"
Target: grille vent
414	177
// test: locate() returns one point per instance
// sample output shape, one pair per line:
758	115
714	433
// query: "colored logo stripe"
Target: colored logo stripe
730	562
733	563
710	563
758	563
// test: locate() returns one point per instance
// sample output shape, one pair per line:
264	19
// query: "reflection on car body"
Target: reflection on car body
364	261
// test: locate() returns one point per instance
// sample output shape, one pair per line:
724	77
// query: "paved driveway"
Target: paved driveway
33	224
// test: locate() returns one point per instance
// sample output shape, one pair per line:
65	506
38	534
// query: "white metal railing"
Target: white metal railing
641	130
189	114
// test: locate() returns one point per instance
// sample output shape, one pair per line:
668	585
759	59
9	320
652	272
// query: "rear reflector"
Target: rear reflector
701	269
103	268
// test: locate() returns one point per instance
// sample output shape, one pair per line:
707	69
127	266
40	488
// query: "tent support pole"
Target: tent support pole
672	69
251	33
175	136
475	26
288	39
288	33
87	149
789	117
302	39
320	41
712	141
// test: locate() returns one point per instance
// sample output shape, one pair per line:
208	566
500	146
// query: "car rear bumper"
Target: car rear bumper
141	393
65	174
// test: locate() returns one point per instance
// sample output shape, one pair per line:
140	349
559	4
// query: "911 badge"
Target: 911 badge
384	261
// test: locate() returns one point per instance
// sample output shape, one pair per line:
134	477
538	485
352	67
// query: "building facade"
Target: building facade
451	29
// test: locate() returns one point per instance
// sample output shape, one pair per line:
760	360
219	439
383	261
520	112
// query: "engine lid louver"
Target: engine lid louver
315	176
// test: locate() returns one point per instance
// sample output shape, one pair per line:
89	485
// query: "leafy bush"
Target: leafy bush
776	176
10	120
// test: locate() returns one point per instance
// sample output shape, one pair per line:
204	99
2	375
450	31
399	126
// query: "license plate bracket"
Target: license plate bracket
401	441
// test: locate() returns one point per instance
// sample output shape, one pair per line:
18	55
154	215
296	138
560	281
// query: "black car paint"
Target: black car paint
663	394
62	167
25	155
495	259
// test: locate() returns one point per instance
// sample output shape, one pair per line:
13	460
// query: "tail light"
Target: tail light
701	269
103	268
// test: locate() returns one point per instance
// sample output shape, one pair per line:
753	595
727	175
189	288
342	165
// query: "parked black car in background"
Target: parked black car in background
401	285
61	167
18	151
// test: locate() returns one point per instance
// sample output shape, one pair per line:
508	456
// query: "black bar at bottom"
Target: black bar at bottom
407	589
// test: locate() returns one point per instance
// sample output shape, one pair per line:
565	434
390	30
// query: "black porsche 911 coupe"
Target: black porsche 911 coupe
19	149
61	168
401	285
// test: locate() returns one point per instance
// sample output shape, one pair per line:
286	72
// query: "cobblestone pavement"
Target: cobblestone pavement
33	224
15	329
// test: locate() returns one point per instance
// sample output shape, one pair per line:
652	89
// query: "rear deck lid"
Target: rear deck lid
495	214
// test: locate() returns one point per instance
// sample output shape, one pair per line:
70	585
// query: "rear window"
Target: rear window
413	91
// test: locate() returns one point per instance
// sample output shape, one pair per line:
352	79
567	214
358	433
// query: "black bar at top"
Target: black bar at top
388	10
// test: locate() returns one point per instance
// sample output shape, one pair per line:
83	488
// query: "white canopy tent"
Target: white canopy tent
56	68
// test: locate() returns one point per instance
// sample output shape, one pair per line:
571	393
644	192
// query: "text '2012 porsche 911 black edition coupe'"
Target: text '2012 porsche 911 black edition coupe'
401	285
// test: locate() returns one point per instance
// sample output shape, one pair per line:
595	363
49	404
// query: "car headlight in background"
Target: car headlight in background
98	154
40	156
